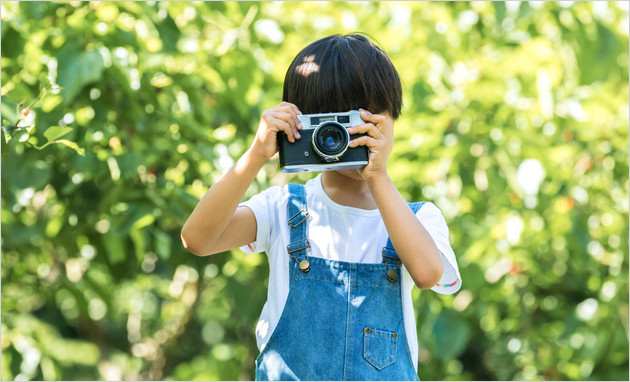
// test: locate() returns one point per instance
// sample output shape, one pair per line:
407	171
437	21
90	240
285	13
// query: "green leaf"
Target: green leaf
499	11
138	238
6	355
72	145
36	175
169	33
114	246
143	221
8	111
451	335
12	42
55	132
77	70
8	132
163	244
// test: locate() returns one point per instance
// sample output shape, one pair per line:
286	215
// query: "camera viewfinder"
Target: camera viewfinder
343	119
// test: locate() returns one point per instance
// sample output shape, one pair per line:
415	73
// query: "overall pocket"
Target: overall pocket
379	347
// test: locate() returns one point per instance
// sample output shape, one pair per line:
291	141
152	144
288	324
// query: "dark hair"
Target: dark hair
340	73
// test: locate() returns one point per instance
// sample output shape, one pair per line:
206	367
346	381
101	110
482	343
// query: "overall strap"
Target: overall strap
298	226
390	257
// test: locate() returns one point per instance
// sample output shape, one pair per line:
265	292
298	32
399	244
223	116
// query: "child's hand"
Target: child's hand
282	117
379	140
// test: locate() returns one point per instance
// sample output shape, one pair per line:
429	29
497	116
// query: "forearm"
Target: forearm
215	209
412	242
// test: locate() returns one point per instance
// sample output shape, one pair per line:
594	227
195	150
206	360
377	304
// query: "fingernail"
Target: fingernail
298	135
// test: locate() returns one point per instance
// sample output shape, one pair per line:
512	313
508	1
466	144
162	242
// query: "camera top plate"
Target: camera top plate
346	119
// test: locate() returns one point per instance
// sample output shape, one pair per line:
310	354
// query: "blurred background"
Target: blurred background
118	116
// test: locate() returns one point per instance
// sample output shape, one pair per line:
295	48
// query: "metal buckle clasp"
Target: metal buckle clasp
305	245
306	216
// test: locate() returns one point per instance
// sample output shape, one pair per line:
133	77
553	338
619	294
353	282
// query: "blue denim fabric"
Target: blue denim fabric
341	320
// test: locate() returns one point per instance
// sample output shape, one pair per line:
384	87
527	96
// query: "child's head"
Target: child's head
340	73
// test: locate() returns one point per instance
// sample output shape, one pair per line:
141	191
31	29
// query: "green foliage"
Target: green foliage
515	123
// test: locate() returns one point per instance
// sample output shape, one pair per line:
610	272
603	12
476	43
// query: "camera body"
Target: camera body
323	144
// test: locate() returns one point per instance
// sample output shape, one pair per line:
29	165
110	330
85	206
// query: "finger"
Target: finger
289	118
292	106
278	125
293	110
366	128
369	117
365	141
285	127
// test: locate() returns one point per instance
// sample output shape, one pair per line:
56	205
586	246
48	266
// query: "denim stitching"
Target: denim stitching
337	264
405	344
381	335
280	320
370	358
348	328
388	284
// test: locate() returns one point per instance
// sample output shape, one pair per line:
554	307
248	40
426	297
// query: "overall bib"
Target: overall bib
341	320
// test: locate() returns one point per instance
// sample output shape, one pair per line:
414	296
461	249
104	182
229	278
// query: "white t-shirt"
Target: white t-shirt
335	233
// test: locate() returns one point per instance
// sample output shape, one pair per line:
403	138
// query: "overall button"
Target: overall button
391	275
305	266
395	335
367	330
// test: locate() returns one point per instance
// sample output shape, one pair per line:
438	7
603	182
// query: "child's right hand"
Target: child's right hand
282	117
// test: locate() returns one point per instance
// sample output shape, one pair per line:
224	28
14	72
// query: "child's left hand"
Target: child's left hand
379	141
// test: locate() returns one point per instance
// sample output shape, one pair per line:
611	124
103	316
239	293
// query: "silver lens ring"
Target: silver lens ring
330	157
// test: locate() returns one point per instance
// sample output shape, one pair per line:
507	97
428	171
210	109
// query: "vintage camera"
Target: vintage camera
323	144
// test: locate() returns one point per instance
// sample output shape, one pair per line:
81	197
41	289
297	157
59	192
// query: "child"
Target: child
339	301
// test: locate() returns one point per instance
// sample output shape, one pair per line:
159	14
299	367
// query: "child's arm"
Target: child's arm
414	245
216	225
412	242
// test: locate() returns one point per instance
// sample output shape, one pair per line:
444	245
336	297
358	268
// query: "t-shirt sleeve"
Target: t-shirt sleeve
431	218
264	206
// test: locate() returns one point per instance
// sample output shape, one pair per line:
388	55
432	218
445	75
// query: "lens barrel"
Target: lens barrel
330	141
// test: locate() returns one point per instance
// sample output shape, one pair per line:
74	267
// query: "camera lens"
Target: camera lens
330	140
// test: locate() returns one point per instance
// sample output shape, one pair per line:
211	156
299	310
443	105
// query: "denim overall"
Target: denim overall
341	320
